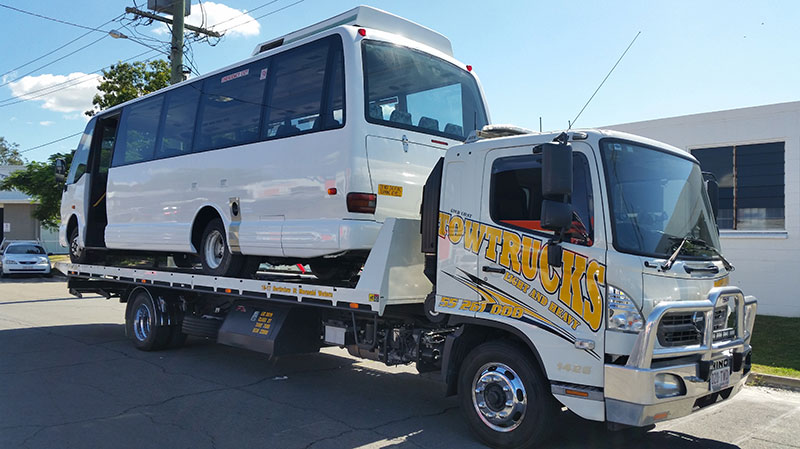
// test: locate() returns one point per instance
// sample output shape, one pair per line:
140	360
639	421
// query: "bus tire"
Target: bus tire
142	326
504	396
77	253
215	255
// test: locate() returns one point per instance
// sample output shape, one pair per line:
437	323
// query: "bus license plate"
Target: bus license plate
720	372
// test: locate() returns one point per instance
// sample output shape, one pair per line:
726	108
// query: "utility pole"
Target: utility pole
176	53
178	26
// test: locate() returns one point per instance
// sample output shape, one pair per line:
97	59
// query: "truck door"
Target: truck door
558	309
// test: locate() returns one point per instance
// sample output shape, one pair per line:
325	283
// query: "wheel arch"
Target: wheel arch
473	332
201	219
73	223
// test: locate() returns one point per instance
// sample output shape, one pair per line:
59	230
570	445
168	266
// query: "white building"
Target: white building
755	155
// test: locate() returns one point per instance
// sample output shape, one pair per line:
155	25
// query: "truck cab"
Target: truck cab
599	250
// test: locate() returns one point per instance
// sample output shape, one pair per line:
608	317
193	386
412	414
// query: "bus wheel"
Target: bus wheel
77	253
504	397
215	256
142	326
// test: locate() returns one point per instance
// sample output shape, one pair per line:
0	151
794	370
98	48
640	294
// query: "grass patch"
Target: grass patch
775	346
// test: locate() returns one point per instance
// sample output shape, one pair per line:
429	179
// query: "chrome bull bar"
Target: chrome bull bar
630	389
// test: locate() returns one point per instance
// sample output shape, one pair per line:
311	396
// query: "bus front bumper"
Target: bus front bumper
658	384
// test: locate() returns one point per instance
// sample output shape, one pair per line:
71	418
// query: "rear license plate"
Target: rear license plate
720	374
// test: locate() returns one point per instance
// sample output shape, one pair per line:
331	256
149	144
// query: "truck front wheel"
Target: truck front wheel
504	396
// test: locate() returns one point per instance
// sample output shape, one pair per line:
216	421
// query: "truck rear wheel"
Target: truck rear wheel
142	326
215	255
504	396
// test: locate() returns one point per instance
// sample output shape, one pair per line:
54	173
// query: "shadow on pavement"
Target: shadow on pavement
86	386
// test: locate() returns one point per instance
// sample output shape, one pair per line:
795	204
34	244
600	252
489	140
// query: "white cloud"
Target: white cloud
47	123
233	22
76	116
69	93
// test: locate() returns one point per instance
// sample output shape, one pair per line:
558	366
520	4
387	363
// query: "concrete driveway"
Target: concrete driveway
70	379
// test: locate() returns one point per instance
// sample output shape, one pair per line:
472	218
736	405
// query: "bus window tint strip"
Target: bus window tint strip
413	90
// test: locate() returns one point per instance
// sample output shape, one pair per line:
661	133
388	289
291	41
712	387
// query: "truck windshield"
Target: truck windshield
413	90
657	199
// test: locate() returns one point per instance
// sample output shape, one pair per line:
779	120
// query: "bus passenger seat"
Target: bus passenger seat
452	128
429	123
400	117
287	130
375	111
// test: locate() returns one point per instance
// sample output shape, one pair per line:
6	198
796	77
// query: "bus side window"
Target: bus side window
333	116
230	107
177	129
137	132
296	90
81	157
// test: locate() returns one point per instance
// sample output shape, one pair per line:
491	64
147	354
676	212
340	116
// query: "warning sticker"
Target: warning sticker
233	76
385	189
263	74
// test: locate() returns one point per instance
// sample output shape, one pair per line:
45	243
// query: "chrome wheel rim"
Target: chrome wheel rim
141	322
499	397
214	249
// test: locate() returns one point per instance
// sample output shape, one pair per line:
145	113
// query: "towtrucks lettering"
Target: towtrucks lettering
578	284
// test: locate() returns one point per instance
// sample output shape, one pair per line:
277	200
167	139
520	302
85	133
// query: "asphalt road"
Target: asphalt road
69	379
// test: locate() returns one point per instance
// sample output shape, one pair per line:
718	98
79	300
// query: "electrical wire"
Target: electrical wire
64	84
59	48
51	142
243	14
52	19
55	60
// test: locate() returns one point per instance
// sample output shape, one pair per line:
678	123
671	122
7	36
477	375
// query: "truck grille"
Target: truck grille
681	329
686	328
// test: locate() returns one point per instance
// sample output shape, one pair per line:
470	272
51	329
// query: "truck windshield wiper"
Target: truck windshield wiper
697	242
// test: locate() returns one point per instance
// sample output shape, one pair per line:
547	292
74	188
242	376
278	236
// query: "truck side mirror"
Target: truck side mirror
556	169
60	167
556	216
712	188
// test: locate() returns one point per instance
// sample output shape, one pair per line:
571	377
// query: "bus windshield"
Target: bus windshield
657	200
413	90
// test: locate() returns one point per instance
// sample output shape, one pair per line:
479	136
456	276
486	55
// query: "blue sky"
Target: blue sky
535	59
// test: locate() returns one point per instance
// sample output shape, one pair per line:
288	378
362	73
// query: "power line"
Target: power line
56	60
59	48
64	84
52	19
243	14
268	14
51	142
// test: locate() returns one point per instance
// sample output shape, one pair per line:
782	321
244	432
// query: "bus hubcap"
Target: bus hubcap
214	249
499	397
141	323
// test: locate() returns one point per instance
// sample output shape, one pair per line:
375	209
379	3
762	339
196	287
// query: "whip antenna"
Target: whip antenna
604	80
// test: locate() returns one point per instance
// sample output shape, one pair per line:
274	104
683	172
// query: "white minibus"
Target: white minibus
296	155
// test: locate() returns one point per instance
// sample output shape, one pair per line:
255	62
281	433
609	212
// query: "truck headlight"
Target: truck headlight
623	315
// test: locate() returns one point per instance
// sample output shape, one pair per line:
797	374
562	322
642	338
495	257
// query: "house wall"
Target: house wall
765	261
20	218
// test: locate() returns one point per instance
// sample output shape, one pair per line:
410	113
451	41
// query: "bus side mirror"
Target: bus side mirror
556	170
60	167
712	188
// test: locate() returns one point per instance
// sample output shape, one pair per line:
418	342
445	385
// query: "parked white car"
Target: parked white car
25	257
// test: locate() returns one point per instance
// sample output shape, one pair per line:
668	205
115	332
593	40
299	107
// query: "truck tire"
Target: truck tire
504	396
142	326
215	255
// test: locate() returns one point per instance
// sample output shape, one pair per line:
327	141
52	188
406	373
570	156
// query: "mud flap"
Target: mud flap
272	329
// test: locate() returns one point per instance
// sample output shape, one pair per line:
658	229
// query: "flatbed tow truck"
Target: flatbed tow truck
527	284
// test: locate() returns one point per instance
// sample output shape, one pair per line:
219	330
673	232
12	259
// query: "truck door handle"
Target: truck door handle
708	269
489	269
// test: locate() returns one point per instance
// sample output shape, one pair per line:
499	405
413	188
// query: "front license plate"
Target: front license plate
720	376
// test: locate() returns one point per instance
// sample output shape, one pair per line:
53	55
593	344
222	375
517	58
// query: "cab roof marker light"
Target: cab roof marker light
469	68
362	32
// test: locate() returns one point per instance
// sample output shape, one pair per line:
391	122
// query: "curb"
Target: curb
768	380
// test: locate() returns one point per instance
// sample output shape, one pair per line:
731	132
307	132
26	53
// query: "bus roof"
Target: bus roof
368	17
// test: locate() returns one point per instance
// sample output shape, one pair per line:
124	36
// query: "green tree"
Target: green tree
126	81
9	153
38	181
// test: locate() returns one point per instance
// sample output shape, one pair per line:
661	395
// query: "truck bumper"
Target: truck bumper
661	383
